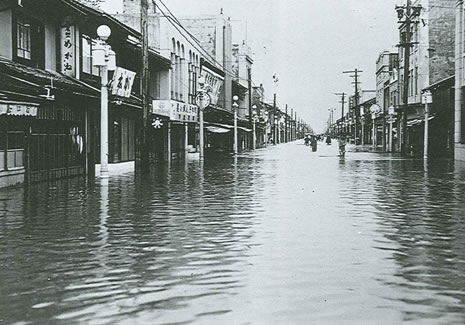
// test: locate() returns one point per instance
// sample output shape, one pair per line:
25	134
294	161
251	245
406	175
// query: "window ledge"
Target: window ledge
12	171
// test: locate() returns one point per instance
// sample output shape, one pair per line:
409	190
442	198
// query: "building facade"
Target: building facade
47	71
386	97
459	109
431	60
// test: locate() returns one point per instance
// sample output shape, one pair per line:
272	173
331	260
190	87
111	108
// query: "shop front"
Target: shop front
44	124
175	125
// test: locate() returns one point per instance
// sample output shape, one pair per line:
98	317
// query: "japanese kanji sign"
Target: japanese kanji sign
176	111
19	109
213	84
68	46
122	81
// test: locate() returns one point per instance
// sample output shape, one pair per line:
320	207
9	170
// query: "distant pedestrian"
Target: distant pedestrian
314	143
307	140
342	146
328	140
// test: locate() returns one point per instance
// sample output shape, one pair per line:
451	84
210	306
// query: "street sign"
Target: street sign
206	99
427	97
375	109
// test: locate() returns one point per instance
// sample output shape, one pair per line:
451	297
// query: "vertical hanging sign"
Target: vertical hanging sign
68	46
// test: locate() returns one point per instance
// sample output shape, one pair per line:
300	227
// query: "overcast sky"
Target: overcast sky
307	43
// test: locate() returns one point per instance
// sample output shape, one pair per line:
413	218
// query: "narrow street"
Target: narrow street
281	235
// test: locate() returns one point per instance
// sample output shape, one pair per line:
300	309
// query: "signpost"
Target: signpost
427	99
391	117
374	110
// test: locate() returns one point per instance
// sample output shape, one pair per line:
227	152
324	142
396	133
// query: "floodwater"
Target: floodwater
279	236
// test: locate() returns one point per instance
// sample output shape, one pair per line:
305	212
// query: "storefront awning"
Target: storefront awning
217	129
418	121
244	129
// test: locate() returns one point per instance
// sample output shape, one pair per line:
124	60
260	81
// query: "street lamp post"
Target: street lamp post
362	117
254	118
373	126
391	116
235	107
104	58
200	104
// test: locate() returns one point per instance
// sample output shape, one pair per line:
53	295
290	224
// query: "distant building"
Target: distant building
214	34
386	94
242	68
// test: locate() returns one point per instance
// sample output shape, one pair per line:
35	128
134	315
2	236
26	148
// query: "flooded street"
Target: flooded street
281	235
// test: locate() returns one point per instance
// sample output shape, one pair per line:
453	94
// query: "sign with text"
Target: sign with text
18	109
68	50
213	84
121	84
427	98
175	110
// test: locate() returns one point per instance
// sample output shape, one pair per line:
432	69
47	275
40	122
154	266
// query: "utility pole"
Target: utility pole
355	75
274	119
285	126
342	101
291	124
296	126
408	12
144	146
249	81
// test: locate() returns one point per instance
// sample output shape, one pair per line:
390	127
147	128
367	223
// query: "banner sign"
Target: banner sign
68	50
213	84
121	84
18	109
175	110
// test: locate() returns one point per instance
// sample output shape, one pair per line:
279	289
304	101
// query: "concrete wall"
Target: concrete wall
441	40
215	36
11	177
460	151
204	29
51	47
6	40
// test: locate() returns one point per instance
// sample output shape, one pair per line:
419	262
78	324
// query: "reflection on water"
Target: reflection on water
282	236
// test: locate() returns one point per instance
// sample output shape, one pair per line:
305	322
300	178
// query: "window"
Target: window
410	79
416	80
173	68
87	67
28	42
23	38
12	150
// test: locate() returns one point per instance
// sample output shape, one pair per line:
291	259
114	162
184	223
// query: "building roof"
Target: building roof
440	83
21	80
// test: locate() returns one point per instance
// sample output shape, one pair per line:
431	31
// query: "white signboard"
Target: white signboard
18	109
68	50
121	84
175	110
427	97
213	84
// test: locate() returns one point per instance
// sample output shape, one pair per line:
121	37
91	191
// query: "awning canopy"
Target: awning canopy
217	129
228	127
20	80
418	121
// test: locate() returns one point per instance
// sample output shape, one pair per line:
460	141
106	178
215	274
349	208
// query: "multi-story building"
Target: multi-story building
174	104
386	95
459	121
50	98
431	60
214	34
